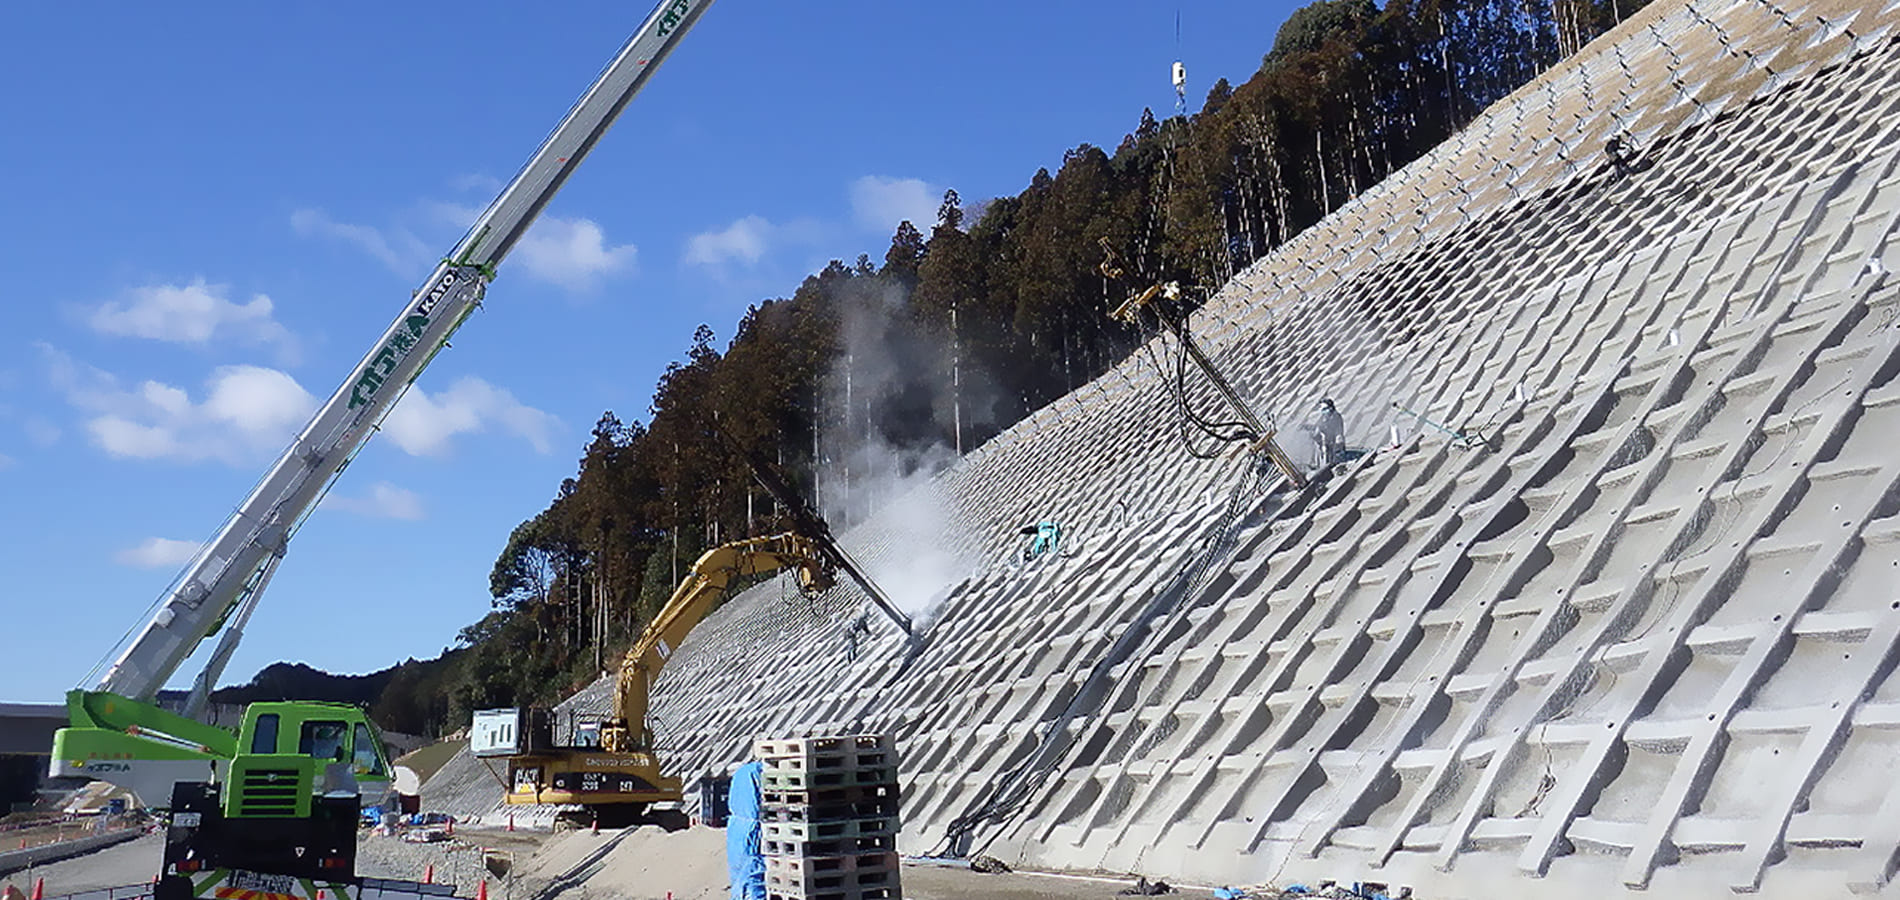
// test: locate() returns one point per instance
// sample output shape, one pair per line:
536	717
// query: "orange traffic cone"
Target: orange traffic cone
481	893
428	874
39	889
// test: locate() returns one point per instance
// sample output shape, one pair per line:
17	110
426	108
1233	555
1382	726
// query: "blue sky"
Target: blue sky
213	209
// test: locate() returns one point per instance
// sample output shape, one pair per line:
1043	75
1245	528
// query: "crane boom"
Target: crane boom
233	567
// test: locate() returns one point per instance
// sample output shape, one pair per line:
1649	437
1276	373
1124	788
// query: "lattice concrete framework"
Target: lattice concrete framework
1640	642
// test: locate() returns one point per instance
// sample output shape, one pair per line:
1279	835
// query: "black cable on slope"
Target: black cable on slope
1006	795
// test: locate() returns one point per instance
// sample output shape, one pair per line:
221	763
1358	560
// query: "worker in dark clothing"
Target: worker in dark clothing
1621	154
1328	429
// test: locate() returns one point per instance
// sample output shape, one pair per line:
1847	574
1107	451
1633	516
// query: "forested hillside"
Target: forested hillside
877	371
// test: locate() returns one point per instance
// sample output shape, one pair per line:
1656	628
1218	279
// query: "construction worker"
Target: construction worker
1622	154
1328	429
745	863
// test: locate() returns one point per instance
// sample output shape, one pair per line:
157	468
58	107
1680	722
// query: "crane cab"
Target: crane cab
345	752
328	748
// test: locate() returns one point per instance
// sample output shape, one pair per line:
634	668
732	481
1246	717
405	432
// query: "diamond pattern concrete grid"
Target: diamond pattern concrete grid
1641	642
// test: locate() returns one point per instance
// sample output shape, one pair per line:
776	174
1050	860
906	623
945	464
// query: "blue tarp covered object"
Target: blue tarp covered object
744	862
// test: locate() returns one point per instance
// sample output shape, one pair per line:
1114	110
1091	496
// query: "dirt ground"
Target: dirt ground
132	862
923	881
636	864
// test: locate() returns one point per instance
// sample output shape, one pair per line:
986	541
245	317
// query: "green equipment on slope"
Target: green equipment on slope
1044	537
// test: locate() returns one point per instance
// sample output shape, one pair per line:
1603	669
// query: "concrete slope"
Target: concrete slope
1640	639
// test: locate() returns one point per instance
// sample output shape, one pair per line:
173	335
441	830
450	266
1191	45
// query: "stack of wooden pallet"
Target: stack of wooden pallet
829	823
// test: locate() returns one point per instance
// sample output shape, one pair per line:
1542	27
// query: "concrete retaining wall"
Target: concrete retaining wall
15	860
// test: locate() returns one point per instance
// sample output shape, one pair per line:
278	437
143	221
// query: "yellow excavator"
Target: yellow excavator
614	767
608	765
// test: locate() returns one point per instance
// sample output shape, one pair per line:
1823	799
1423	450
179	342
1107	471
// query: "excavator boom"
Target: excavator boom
696	596
623	769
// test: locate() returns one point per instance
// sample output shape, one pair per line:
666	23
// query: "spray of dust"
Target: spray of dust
894	405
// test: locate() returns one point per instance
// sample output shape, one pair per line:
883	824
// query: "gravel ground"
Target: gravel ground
460	861
649	863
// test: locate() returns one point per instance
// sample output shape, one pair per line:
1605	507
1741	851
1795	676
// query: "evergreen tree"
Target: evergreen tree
1002	304
905	255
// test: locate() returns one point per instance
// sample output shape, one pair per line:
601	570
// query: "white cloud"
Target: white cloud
878	203
7	462
247	412
157	553
571	253
749	240
422	424
384	501
194	313
742	241
401	251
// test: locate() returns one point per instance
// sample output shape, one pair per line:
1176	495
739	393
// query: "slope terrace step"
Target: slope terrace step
1775	721
1502	833
1881	715
1727	640
1662	735
1837	627
1603	835
1704	834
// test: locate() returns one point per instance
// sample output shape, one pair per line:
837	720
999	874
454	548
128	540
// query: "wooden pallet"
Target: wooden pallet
819	779
867	893
852	872
827	847
838	811
869	751
876	826
808	747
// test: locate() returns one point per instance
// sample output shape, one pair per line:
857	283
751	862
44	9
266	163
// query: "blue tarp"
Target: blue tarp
744	863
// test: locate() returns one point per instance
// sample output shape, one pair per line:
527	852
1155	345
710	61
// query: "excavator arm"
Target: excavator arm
623	772
712	574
